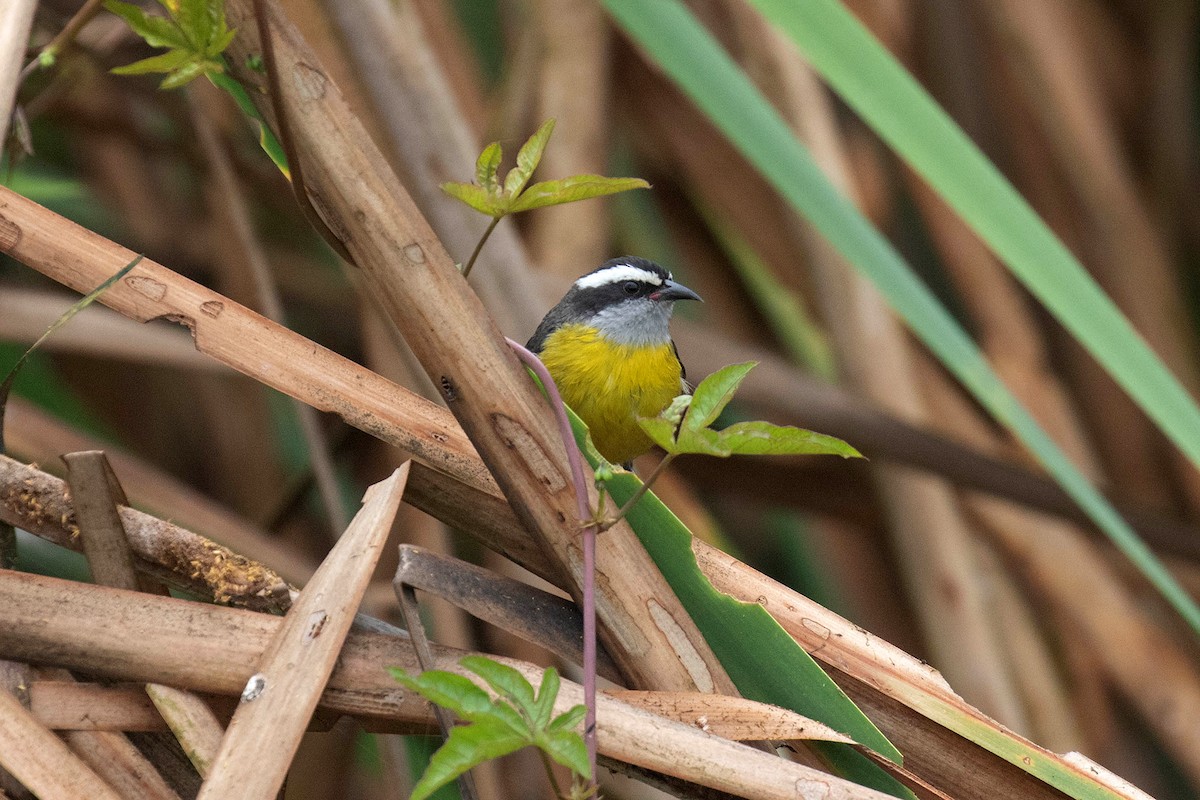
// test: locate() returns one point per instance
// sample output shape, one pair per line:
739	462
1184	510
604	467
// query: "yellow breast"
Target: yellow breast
610	385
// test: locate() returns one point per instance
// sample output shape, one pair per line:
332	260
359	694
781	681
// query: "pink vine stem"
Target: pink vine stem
589	546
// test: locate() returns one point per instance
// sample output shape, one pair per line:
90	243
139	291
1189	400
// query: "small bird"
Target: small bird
608	346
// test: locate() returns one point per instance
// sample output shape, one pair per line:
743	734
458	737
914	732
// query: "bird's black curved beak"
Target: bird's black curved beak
674	291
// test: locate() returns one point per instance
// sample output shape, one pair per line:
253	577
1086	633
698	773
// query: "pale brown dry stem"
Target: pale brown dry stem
133	636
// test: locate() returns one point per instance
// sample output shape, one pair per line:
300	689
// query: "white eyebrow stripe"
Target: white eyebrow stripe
617	273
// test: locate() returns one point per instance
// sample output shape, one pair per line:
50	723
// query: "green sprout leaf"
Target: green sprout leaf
488	196
448	690
518	717
568	190
488	166
528	158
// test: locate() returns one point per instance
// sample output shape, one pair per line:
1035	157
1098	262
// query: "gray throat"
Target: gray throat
639	323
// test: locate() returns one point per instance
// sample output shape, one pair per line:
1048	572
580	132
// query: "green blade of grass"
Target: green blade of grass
705	72
891	101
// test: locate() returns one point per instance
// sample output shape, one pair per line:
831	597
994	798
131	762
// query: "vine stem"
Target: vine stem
575	460
471	262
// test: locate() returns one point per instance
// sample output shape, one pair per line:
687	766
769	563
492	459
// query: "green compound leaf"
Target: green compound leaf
528	158
488	166
683	427
519	717
467	746
569	190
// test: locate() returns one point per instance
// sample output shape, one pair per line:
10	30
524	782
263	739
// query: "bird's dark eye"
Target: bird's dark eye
630	287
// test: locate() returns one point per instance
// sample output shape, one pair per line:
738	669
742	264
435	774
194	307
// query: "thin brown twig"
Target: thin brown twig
64	39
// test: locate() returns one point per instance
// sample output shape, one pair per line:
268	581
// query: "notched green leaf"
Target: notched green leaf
568	749
714	393
569	190
503	679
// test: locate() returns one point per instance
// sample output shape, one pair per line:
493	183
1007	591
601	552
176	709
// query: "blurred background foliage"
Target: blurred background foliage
1087	106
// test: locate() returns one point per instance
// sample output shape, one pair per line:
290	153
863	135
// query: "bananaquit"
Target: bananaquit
608	346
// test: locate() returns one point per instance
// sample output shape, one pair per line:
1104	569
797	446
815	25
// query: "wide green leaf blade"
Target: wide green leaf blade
764	662
700	441
576	187
660	431
467	746
693	59
871	81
